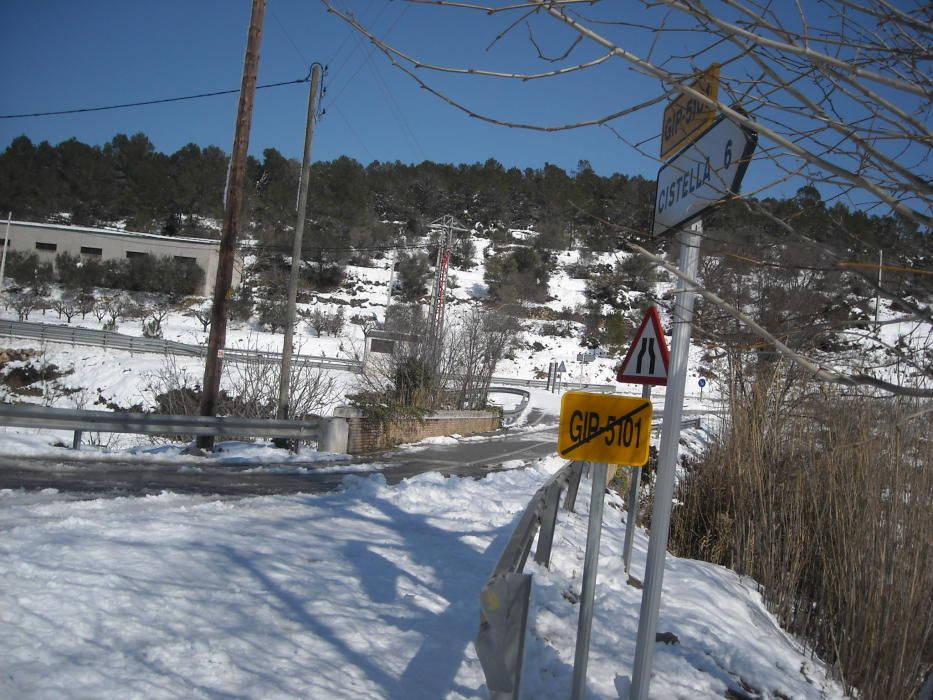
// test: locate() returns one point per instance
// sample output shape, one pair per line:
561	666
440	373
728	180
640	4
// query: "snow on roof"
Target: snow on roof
117	232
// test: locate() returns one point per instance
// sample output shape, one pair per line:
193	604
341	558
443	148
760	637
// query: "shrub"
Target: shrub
520	274
824	499
271	313
152	328
28	270
324	278
167	275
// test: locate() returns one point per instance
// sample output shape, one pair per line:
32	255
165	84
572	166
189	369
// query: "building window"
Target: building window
135	254
379	345
185	259
87	250
46	246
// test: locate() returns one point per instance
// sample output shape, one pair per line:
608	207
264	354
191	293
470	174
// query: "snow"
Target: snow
371	592
368	592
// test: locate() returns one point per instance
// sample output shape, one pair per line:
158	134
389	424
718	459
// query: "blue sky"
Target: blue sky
61	55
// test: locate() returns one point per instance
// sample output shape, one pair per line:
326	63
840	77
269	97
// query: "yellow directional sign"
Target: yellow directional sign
685	118
604	428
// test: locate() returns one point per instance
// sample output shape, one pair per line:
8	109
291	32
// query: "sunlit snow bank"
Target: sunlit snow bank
371	592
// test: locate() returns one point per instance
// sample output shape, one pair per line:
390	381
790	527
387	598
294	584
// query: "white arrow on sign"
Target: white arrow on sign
703	174
647	359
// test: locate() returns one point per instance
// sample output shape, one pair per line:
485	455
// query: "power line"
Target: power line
152	102
288	36
353	249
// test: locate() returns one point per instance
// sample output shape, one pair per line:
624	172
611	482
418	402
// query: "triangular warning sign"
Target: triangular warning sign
647	360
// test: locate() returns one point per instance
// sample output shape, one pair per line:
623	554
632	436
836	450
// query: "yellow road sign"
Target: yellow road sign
604	428
686	117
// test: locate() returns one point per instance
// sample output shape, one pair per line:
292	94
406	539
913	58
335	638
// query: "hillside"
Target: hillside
792	490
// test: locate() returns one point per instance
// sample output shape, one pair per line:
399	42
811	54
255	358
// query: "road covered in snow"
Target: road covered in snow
370	591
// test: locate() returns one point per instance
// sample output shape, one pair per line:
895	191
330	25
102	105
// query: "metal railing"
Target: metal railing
542	384
510	415
500	642
28	416
119	341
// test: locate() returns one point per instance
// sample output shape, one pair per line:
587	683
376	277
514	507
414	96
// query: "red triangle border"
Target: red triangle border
655	318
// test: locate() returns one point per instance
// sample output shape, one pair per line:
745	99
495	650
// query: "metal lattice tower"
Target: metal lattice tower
446	225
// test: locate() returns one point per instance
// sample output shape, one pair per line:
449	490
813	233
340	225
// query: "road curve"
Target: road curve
471	457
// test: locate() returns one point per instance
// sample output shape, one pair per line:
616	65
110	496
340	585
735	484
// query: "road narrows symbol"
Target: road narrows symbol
647	358
647	345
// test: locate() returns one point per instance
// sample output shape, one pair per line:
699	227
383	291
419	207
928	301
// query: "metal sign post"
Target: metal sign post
667	460
630	520
707	170
646	362
588	589
599	429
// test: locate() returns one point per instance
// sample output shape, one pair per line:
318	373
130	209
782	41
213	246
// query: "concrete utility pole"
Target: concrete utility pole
877	291
6	244
286	373
232	204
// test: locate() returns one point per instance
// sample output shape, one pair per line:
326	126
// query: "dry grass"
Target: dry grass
826	501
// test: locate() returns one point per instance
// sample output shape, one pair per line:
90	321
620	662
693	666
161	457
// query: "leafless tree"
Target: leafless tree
480	338
451	371
65	306
100	308
202	313
250	387
838	91
24	303
85	304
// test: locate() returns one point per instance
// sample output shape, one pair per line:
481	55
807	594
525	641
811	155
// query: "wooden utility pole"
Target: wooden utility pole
285	375
233	201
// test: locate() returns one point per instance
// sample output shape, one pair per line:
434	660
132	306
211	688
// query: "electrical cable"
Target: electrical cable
353	249
152	102
304	61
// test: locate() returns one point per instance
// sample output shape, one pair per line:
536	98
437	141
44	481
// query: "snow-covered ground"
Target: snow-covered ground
369	592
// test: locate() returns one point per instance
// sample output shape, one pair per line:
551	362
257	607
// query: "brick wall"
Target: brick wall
369	435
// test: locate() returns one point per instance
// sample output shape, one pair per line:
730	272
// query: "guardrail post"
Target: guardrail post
500	642
573	485
548	520
76	441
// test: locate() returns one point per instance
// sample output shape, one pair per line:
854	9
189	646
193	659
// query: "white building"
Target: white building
48	240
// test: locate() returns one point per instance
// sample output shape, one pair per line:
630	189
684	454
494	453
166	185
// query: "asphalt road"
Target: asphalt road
473	457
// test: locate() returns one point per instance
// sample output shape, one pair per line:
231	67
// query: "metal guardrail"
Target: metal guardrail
542	384
119	341
510	415
500	641
91	337
28	416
